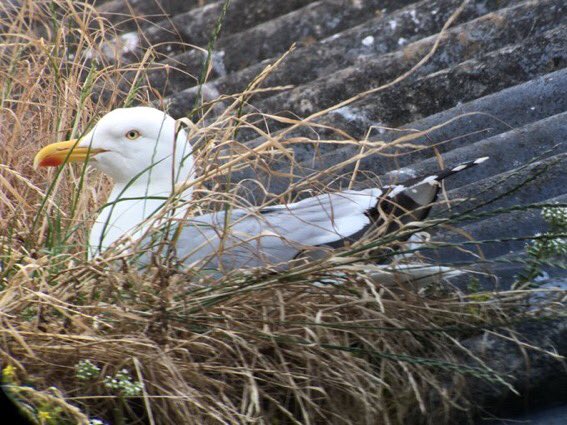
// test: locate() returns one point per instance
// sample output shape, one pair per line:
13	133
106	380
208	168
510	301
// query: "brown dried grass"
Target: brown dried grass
250	347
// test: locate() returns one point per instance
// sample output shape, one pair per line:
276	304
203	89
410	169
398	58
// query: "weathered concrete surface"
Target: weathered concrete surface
479	119
488	116
541	182
303	26
412	100
503	238
197	25
538	377
385	33
128	15
543	138
312	59
553	415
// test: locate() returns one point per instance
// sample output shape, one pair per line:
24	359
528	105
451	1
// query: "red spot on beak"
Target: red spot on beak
50	162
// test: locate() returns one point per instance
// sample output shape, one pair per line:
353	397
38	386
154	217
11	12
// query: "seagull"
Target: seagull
147	156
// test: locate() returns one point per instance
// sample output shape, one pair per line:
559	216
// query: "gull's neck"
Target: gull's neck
132	207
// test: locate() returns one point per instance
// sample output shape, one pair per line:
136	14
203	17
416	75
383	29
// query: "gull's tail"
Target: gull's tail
411	201
443	174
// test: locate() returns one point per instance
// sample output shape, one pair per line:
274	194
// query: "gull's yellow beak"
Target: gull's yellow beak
61	152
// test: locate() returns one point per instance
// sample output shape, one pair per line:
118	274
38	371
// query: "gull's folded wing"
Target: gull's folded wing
240	238
249	238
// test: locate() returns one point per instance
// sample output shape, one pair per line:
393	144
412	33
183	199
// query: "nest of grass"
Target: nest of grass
83	340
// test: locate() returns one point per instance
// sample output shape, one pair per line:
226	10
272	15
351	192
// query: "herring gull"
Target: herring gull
147	156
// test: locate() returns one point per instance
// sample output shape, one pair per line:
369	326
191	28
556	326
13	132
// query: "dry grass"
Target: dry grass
250	347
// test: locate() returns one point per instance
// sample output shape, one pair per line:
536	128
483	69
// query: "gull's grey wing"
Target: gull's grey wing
249	238
241	238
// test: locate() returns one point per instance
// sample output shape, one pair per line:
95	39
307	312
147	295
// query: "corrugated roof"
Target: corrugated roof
503	60
500	71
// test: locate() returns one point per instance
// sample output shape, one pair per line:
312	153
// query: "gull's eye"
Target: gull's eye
133	134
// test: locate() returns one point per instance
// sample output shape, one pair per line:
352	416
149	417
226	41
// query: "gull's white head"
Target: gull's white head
137	145
144	154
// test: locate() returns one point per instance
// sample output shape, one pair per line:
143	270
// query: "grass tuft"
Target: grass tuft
102	340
